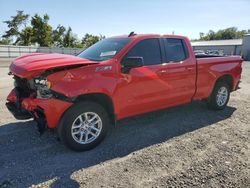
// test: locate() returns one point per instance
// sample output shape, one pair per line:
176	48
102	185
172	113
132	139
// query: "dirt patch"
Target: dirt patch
186	146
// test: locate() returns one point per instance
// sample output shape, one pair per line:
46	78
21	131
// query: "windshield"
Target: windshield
104	49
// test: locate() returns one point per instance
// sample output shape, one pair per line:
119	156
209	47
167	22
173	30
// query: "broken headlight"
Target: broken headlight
42	86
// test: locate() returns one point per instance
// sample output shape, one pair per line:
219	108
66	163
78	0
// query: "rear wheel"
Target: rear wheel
83	126
219	97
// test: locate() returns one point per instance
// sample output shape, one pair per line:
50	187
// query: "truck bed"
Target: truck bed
210	68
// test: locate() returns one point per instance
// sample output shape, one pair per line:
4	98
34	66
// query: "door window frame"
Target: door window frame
184	45
161	48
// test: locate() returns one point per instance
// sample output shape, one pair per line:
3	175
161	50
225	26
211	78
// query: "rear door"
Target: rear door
178	71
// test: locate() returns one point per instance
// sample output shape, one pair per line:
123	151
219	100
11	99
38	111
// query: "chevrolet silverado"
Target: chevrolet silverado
81	96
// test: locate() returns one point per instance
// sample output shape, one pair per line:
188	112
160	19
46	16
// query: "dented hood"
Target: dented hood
30	65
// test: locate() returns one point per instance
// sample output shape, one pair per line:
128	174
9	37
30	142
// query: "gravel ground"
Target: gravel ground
183	146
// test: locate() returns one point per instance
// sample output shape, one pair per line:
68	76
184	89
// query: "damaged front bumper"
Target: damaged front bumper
18	113
46	112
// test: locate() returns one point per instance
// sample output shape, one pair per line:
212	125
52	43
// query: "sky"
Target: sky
116	17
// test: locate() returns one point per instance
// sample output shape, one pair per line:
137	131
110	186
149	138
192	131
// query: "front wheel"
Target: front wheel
219	97
83	126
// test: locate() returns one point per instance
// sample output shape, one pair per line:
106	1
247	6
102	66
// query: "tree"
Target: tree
14	25
58	35
223	34
69	39
39	31
201	34
5	41
25	37
42	31
88	40
211	35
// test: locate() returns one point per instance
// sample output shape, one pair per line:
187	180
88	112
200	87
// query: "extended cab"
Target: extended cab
116	78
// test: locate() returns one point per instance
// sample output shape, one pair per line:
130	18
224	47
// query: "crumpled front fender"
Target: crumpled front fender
53	109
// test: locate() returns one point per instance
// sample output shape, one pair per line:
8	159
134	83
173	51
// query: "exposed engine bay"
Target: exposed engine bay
35	88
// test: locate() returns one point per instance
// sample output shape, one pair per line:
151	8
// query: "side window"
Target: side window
149	49
175	50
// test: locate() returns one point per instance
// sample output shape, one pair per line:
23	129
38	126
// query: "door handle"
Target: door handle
190	68
161	72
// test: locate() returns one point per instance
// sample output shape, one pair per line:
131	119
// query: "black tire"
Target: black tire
212	101
66	123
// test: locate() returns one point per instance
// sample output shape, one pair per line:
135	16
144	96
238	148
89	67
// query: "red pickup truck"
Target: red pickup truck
116	78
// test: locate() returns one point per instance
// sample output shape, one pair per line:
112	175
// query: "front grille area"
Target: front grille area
22	87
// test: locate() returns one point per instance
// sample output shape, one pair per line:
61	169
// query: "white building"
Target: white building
228	47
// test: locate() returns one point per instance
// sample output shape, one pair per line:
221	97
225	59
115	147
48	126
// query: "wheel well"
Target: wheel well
227	79
102	99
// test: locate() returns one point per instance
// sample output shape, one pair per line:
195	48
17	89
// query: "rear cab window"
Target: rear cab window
175	49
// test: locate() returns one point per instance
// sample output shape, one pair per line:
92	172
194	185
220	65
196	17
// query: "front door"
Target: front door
142	89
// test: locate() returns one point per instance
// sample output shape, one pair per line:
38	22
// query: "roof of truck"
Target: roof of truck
137	36
148	36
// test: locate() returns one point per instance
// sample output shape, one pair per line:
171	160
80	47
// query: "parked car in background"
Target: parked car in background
213	52
199	52
116	78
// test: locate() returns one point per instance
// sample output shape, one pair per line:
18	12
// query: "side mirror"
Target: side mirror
131	62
